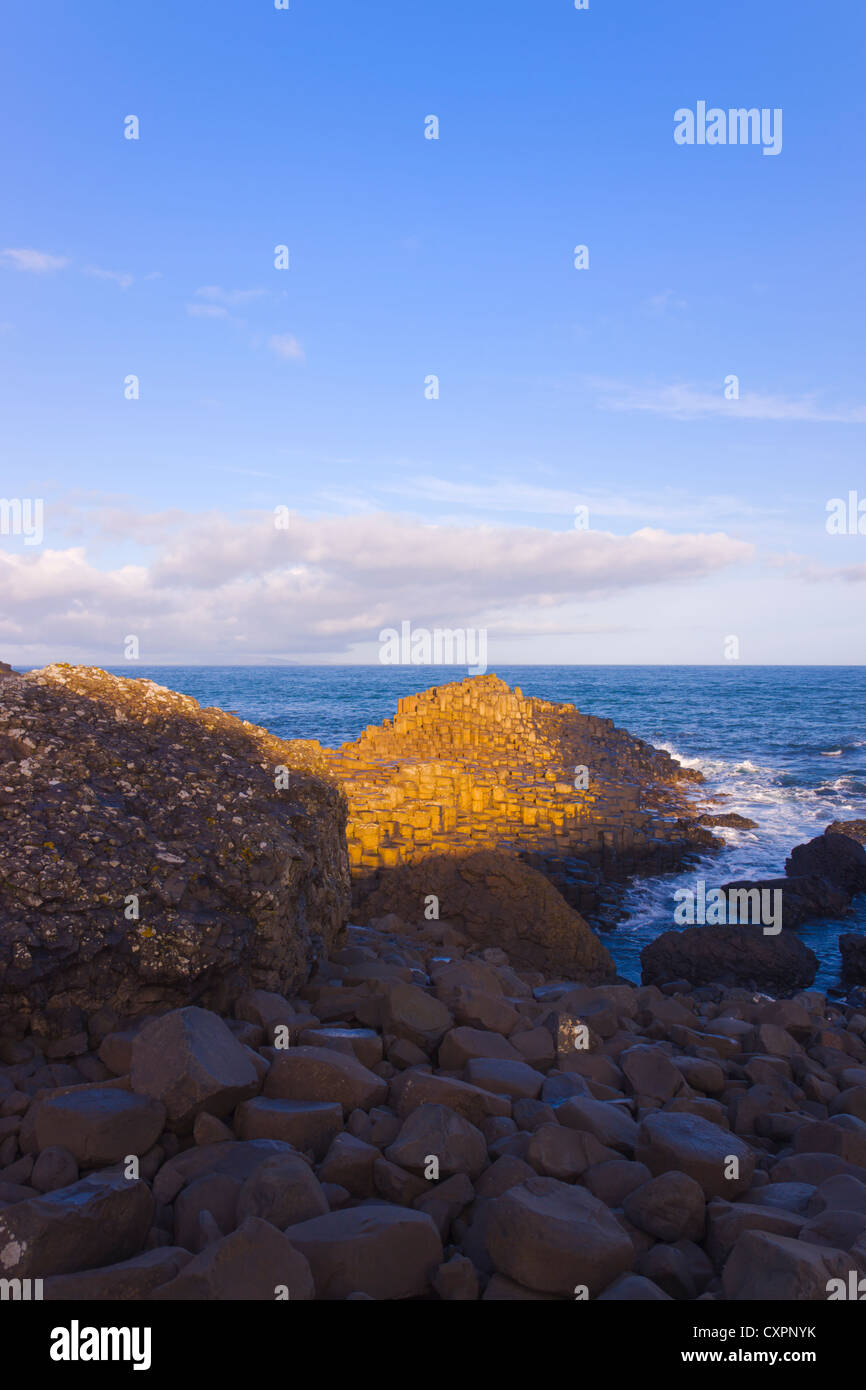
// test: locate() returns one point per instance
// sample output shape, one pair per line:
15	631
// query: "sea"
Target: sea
785	745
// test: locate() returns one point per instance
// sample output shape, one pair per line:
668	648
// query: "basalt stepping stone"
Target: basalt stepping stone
305	1124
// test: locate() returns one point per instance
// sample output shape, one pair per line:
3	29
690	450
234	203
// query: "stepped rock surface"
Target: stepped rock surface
113	790
474	765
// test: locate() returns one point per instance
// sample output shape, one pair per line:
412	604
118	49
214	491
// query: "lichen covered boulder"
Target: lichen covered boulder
154	853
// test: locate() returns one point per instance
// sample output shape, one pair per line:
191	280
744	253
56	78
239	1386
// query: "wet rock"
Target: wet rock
839	859
852	947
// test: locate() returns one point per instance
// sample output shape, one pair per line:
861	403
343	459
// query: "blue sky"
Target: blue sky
410	257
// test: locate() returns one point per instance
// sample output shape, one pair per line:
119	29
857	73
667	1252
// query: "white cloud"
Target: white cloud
685	402
502	496
233	297
37	261
207	311
119	277
815	571
668	299
326	584
284	345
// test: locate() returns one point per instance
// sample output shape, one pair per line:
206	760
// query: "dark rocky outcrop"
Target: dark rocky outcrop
147	857
852	949
821	878
730	955
497	900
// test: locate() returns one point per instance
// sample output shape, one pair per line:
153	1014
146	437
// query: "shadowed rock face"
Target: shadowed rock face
498	901
730	955
114	790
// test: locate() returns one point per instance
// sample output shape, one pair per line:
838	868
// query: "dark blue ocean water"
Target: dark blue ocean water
785	744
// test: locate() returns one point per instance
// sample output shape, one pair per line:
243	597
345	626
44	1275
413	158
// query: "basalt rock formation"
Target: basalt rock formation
822	877
730	956
147	857
582	1134
475	766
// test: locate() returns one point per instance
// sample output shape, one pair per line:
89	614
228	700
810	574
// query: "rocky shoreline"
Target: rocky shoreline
288	1076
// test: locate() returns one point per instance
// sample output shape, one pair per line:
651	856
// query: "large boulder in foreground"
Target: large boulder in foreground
387	1252
99	1221
551	1236
730	956
152	853
498	901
